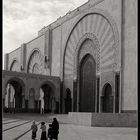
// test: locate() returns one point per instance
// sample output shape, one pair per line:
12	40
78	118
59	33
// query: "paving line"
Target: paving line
24	133
15	126
11	122
5	119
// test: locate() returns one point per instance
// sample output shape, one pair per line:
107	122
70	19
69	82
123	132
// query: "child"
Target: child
50	131
43	134
34	130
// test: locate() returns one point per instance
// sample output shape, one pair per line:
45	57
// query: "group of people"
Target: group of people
53	130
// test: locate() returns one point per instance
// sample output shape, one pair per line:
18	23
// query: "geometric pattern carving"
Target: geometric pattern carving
97	26
36	63
88	44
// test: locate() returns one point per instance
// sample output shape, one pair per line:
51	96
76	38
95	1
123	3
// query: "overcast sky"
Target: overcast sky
22	19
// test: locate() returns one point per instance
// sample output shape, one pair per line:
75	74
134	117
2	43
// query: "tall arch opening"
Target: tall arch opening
14	99
87	84
107	99
47	98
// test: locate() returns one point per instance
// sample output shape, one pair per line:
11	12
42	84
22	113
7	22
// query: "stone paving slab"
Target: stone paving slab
103	133
9	125
15	132
4	119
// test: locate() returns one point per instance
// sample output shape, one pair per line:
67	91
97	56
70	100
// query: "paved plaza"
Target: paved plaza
17	127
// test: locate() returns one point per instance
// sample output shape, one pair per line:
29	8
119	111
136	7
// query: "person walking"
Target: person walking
34	130
43	134
50	132
55	128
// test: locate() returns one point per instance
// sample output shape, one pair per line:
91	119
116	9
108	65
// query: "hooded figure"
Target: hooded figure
55	128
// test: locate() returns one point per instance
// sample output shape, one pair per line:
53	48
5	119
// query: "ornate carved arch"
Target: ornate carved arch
113	27
35	62
96	48
15	65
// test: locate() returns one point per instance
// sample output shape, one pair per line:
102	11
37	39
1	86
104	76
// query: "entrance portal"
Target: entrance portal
87	84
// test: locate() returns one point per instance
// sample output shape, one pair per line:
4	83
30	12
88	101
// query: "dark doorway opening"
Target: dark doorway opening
107	99
68	101
87	86
48	98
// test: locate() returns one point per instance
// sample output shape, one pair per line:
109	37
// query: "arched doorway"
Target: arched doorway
13	97
87	85
107	99
31	103
68	101
47	98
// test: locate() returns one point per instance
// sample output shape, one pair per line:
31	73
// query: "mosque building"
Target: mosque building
85	61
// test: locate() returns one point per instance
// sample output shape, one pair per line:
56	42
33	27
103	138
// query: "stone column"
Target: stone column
6	100
75	95
6	61
97	93
23	101
53	105
23	57
42	100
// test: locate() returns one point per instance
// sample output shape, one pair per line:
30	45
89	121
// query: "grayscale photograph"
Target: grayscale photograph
70	70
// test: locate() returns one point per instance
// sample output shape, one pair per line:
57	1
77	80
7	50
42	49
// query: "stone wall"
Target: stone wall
15	55
38	43
129	56
56	47
104	119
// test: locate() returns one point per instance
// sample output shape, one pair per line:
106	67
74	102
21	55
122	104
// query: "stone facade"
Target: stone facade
108	30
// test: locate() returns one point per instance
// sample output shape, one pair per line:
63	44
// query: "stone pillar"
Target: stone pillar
11	97
42	101
23	101
38	106
6	63
6	99
100	104
97	92
75	96
23	57
53	106
48	51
